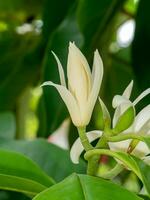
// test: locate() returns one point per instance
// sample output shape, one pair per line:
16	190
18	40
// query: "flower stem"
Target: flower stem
116	155
84	139
127	136
102	143
113	172
93	162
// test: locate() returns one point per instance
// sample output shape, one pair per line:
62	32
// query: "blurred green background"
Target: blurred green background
30	29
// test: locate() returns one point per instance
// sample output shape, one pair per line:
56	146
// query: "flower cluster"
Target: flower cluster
80	95
140	125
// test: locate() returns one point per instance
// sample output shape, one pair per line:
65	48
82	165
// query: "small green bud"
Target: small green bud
105	119
125	120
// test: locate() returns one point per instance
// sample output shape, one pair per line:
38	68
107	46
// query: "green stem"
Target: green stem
22	109
93	152
102	143
122	137
116	155
93	162
132	145
84	139
113	172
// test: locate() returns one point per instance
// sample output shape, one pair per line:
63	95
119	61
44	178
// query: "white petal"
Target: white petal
118	100
77	66
116	116
97	80
121	103
146	159
69	100
146	128
120	146
142	119
141	150
79	79
60	69
77	147
82	58
128	90
141	96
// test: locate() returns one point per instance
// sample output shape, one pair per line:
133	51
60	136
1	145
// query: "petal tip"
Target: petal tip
53	52
131	84
72	44
46	83
96	51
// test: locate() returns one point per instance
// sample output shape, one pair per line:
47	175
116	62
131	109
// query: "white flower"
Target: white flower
141	125
83	86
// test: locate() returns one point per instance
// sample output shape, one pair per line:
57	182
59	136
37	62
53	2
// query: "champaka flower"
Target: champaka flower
83	86
141	125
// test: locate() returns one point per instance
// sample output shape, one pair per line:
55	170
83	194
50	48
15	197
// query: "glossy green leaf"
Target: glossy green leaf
85	187
52	159
18	173
7	125
125	120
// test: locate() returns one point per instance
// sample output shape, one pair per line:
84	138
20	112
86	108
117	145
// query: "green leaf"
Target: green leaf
144	197
141	43
17	74
52	159
125	120
7	125
51	18
94	16
19	173
9	195
144	170
85	187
